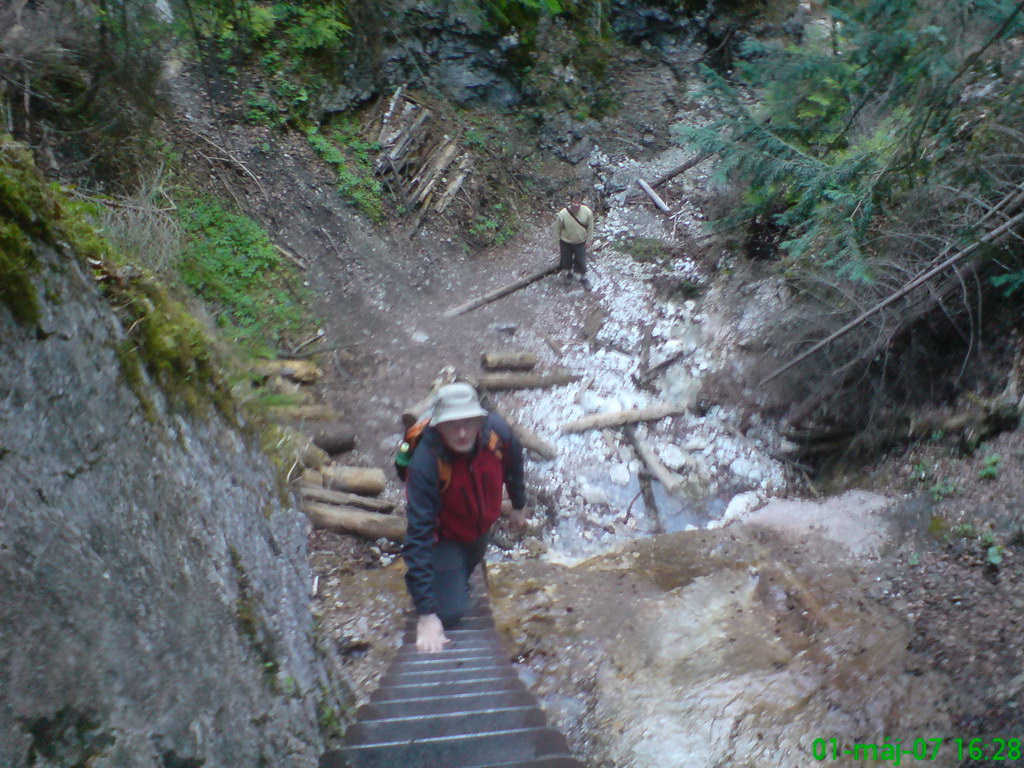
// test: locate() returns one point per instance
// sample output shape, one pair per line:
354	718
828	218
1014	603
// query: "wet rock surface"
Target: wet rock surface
738	646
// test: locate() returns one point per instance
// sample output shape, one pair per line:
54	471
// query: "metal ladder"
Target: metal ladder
463	707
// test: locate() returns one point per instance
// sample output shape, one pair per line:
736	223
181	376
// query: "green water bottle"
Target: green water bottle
402	458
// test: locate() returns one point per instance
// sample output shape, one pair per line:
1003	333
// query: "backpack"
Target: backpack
411	439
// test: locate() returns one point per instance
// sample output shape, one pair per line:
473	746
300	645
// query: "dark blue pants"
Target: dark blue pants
453	563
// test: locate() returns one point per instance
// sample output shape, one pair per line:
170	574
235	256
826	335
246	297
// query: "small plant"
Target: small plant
493	227
230	262
944	488
352	158
994	554
920	472
990	467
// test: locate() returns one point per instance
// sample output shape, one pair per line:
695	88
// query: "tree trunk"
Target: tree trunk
327	496
618	418
515	361
366	481
360	522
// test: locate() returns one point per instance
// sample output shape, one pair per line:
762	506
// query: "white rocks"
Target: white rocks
592	494
672	457
741	505
619	474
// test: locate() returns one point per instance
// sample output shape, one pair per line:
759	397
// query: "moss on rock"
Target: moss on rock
163	337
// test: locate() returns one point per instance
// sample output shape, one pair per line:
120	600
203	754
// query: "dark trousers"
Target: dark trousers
453	563
573	255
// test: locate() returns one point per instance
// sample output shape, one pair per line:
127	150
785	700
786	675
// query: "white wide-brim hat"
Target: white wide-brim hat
454	402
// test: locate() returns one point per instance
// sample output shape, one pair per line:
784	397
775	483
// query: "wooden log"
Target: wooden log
371	525
435	172
497	293
496	382
334	438
618	418
304	371
515	361
413	413
366	481
327	496
529	439
312	477
654	196
659	471
462	173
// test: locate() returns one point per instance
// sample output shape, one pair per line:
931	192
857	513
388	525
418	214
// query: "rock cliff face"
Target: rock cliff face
153	588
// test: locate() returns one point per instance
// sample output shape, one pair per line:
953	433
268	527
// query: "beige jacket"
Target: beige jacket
568	230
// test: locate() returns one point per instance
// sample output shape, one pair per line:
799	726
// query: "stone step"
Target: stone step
464	702
448	724
439	690
482	749
494	669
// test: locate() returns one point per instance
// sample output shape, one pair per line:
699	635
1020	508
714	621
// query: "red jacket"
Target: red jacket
462	508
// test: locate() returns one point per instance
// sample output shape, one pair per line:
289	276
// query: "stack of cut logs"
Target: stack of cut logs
420	157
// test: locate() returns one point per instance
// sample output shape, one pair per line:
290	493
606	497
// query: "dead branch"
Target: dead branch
658	202
990	237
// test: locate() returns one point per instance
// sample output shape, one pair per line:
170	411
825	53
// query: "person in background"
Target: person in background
574	226
454	493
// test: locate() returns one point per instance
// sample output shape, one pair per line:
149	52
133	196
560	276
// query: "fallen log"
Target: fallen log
334	438
338	498
669	480
366	481
303	371
618	418
496	382
658	202
413	413
487	298
515	361
371	525
529	439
